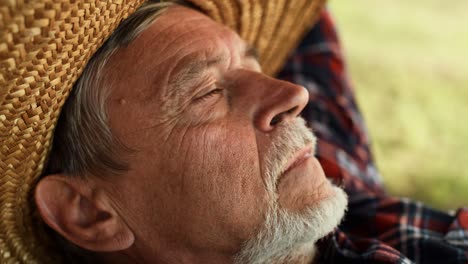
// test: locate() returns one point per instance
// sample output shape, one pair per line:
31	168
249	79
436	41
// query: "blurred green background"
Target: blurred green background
408	61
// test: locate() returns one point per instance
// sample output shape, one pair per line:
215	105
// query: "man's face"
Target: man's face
217	144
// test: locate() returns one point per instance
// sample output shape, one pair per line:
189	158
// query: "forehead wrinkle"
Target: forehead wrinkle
194	63
193	70
171	29
173	96
173	84
167	34
166	23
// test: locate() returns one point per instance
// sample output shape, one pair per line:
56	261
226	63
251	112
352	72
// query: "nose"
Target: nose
282	101
273	101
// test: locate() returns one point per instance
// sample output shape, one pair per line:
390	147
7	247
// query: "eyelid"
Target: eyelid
214	91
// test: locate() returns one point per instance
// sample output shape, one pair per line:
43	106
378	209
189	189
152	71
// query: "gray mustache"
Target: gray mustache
287	139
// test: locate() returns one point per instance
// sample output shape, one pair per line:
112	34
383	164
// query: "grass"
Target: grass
409	63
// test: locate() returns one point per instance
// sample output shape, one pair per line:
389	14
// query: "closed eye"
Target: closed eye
209	94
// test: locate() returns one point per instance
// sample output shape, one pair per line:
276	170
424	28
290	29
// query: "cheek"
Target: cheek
221	177
221	161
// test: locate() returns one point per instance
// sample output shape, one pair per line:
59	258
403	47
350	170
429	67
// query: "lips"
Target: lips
298	158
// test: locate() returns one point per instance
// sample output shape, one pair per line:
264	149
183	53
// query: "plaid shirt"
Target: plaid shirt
377	228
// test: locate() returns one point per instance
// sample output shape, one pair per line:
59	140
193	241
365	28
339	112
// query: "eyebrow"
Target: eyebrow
196	67
193	70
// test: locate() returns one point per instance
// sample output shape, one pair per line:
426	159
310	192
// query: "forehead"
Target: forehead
183	26
180	35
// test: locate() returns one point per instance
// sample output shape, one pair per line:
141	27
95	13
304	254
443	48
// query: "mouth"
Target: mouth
298	158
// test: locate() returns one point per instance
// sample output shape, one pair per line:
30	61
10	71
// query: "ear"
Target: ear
70	207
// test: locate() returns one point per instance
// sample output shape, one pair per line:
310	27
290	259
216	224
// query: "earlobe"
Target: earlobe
79	214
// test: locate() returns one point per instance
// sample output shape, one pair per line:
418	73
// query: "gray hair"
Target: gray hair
83	143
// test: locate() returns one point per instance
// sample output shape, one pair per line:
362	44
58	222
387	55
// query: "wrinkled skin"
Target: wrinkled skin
196	188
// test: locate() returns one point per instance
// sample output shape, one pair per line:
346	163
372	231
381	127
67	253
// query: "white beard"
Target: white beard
288	237
285	236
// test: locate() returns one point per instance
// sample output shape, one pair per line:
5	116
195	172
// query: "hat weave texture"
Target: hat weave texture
44	47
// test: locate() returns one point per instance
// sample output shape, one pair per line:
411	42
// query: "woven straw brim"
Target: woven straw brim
45	44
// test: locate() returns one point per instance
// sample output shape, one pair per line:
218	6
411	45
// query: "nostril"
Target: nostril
279	117
275	120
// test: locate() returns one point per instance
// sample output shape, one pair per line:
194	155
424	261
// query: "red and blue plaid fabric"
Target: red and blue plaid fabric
377	228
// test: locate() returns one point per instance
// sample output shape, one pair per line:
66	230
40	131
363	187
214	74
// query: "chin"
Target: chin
285	234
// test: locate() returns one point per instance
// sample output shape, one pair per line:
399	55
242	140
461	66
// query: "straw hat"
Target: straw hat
45	44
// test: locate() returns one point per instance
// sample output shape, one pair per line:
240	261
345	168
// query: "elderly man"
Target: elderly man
196	106
175	147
